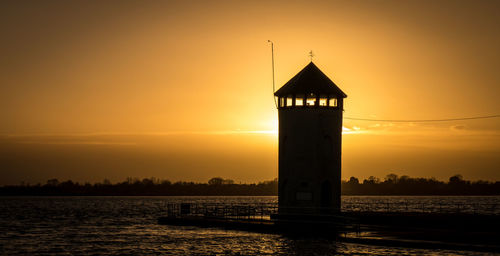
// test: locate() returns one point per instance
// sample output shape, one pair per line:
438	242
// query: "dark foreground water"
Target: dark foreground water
128	226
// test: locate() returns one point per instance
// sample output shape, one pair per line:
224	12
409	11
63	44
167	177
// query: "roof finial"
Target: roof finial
311	55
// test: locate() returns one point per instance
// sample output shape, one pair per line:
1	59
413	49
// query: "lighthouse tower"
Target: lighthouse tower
310	108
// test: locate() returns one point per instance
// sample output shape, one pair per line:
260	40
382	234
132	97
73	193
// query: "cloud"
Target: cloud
77	143
457	127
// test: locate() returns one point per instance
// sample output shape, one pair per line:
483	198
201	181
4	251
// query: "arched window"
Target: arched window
283	146
326	196
283	192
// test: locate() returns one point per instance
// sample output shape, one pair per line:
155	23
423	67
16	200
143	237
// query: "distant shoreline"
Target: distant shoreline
391	186
374	195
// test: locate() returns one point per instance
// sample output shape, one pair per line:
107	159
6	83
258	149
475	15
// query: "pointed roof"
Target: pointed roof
310	80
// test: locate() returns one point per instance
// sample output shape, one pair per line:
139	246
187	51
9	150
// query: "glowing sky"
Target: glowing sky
181	90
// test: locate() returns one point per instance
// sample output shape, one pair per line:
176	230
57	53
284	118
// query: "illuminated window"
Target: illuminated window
332	102
281	101
323	100
311	99
299	100
289	101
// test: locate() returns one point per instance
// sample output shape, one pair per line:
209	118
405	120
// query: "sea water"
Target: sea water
128	226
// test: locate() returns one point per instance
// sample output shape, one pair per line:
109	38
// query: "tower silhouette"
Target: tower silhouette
310	108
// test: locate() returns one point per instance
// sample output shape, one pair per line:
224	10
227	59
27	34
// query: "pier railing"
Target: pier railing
466	208
265	210
220	210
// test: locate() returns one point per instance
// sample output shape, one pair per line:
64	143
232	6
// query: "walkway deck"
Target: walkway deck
413	229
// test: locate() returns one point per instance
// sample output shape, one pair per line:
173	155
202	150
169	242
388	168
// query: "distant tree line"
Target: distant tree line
145	187
391	185
404	185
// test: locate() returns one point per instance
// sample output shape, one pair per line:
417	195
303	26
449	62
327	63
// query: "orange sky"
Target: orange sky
164	82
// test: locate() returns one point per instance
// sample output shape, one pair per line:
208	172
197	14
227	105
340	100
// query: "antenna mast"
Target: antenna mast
272	63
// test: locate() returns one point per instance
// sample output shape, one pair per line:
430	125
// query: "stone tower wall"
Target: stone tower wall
310	145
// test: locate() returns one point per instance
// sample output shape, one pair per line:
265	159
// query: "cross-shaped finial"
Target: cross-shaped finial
311	55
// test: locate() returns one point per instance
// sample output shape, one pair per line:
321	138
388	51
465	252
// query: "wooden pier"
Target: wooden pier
259	217
414	229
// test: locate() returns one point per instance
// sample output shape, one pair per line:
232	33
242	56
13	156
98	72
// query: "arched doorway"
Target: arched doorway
326	197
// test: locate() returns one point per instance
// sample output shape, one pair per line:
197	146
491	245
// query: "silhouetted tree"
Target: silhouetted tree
220	181
353	181
391	178
371	180
216	181
456	179
53	182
